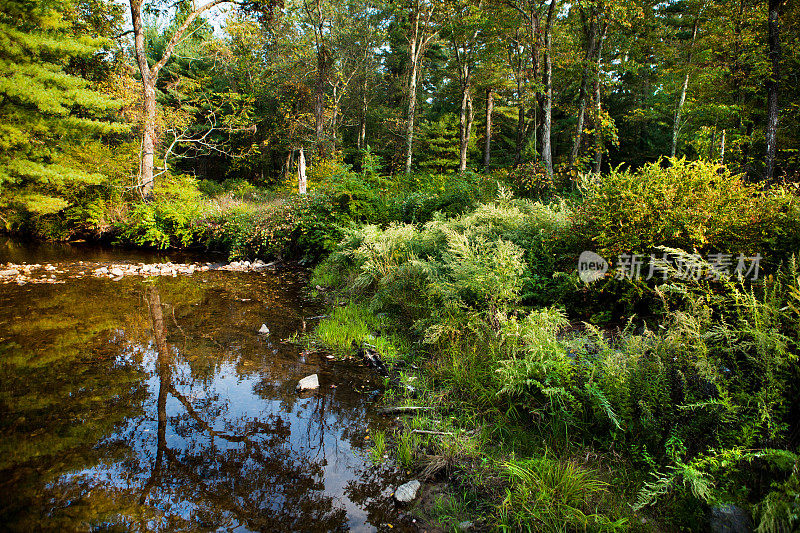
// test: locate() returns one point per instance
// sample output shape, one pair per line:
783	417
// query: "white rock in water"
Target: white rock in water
102	270
308	383
264	329
117	272
407	492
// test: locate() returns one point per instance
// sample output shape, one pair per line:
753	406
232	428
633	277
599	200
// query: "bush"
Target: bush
169	219
299	227
688	205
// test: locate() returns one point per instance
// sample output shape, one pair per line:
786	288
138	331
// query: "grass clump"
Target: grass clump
378	449
550	495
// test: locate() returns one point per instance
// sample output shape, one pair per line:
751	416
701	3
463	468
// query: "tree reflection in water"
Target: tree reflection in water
212	434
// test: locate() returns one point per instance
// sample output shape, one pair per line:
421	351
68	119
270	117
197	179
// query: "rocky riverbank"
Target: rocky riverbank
24	273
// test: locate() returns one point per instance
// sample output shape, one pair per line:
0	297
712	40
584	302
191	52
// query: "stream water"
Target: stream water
153	404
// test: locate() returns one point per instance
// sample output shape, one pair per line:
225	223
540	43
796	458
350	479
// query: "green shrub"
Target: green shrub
299	227
688	205
169	219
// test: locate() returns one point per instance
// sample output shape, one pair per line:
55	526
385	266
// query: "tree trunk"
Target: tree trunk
584	91
334	132
547	79
319	97
487	142
466	117
362	126
149	78
146	157
772	89
288	163
470	121
598	123
301	172
412	107
146	179
676	125
520	133
163	369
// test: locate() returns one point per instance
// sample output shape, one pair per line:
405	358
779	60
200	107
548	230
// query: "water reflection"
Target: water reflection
156	406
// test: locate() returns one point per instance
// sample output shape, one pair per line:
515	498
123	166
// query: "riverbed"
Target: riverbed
152	403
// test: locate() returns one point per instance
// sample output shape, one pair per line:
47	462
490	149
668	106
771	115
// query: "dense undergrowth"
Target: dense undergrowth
623	404
635	402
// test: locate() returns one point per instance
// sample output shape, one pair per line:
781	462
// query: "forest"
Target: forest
444	167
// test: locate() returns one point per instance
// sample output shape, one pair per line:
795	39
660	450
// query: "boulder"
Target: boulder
407	492
308	383
264	329
728	518
117	272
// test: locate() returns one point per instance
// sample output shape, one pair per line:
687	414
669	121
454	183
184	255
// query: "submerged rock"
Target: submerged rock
308	383
407	492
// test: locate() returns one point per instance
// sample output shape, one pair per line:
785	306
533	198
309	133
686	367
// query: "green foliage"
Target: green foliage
378	449
438	141
406	448
696	205
168	220
546	494
346	325
44	111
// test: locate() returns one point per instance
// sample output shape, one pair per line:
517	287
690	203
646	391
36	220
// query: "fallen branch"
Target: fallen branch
427	432
398	410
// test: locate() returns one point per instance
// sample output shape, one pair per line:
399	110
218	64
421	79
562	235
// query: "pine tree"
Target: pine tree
44	110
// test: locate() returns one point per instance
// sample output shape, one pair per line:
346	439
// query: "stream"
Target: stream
152	403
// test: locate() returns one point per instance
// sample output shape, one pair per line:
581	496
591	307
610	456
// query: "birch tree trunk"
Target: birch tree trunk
420	38
362	126
676	125
466	118
598	127
487	138
773	27
412	107
301	172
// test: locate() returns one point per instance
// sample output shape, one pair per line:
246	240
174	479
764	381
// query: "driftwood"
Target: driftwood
399	410
427	432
